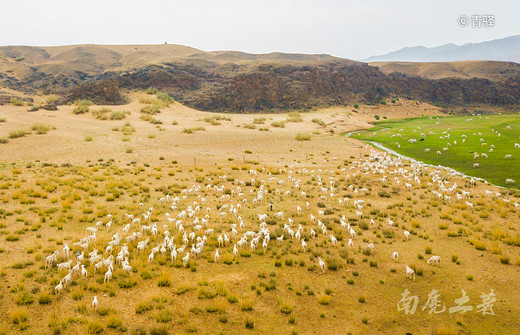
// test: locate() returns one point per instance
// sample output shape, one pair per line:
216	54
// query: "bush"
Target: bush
151	109
25	299
356	105
4	140
151	90
504	260
41	128
101	114
17	133
114	322
250	324
303	137
318	121
164	316
17	102
18	316
94	328
44	299
278	124
159	331
323	299
294	117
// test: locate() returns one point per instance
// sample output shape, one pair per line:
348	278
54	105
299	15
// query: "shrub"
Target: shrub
294	117
94	328
159	331
323	299
18	316
4	140
164	316
17	102
286	309
114	322
356	105
163	281
44	299
151	109
151	90
25	299
303	137
247	306
101	114
318	121
504	260
41	128
17	133
82	106
250	324
88	138
280	124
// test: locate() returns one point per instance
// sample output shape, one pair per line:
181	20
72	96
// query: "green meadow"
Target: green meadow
463	136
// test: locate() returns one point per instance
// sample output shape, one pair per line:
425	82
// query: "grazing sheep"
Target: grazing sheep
410	273
435	260
95	302
395	255
321	264
510	181
406	234
58	288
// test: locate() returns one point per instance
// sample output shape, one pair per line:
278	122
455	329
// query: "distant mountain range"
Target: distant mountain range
504	49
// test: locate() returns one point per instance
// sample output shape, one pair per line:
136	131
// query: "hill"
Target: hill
231	81
504	49
492	70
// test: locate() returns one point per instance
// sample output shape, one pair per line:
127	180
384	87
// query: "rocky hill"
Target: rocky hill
239	82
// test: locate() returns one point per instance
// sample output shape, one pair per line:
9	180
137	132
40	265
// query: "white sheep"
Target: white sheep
95	302
435	260
410	273
321	264
395	255
217	256
406	234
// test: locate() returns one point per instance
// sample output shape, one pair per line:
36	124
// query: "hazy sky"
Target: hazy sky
352	29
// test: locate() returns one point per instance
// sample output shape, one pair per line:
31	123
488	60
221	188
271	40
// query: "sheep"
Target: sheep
65	265
217	256
321	264
333	240
58	288
435	260
510	181
406	234
108	276
83	271
371	247
95	302
186	259
508	156
395	255
410	273
304	245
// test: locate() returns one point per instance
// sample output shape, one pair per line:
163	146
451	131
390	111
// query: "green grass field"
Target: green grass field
495	168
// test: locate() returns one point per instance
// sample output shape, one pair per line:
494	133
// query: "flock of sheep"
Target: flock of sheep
187	224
